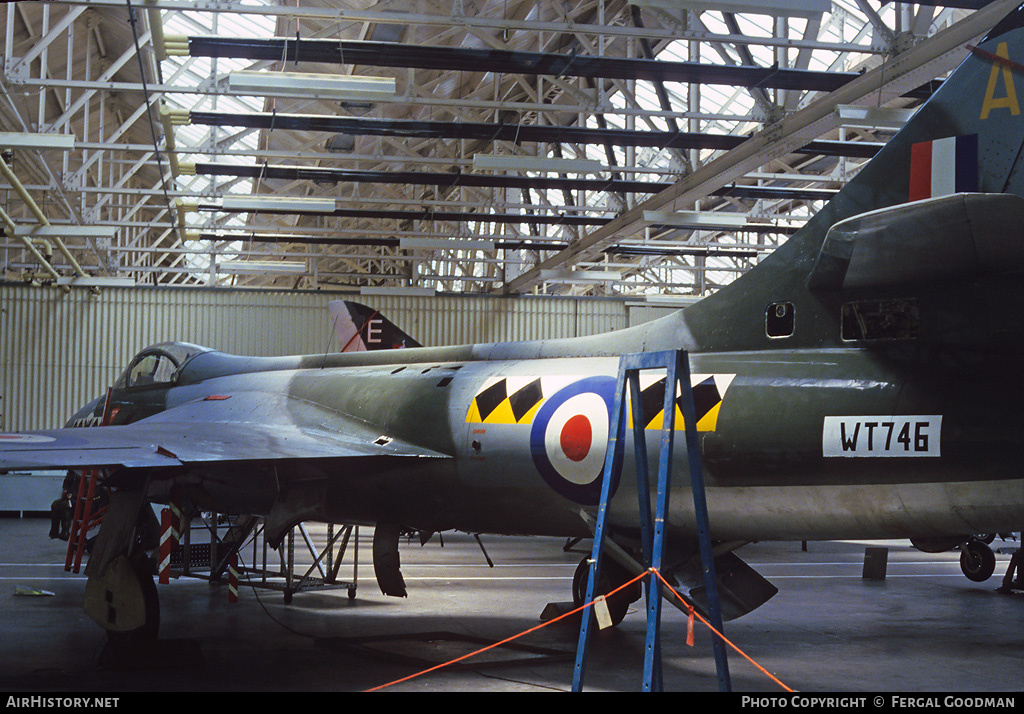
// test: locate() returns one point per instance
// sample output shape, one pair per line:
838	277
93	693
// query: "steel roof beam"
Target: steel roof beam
936	55
442	216
428	178
510	132
636	250
392	54
438	178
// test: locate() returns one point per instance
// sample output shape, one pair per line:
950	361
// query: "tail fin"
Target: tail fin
360	328
967	138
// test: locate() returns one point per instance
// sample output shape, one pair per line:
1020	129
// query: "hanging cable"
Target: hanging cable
132	20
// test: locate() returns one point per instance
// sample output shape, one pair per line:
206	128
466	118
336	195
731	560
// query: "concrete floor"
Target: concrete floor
925	628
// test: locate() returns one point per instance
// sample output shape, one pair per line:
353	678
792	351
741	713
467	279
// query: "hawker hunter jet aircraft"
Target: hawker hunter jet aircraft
863	381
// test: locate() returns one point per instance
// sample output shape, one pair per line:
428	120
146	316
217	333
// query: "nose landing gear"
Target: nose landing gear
612	576
977	561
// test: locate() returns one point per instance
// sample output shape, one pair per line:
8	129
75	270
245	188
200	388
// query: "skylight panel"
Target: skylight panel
245	25
199	75
755	25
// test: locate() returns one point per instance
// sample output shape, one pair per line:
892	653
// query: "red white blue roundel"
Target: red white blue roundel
14	437
569	438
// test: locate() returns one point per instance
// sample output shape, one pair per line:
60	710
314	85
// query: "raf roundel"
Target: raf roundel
14	437
569	438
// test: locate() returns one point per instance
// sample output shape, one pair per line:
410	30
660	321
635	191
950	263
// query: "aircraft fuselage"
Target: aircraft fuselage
812	444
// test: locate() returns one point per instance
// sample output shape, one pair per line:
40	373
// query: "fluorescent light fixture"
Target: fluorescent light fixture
851	115
54	231
316	86
444	244
88	281
21	140
599	276
405	292
790	8
503	162
261	266
671	300
286	204
580	276
695	219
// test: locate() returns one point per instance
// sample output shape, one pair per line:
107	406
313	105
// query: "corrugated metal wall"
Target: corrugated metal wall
58	351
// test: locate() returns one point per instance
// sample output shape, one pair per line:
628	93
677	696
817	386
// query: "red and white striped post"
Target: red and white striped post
175	517
233	578
167	541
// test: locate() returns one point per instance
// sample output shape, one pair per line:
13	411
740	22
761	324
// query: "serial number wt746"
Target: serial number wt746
874	436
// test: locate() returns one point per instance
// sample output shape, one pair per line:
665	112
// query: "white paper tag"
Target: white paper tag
604	618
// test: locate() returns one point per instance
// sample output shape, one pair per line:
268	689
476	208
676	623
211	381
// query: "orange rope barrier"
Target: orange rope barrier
689	639
506	640
692	612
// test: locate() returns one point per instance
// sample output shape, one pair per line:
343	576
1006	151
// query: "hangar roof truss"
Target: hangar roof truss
729	116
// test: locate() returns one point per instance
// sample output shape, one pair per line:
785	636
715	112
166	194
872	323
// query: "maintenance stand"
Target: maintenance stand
677	367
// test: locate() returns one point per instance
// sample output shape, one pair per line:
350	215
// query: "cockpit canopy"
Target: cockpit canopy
158	364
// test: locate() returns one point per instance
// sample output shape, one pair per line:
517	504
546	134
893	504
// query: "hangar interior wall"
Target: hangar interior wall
58	351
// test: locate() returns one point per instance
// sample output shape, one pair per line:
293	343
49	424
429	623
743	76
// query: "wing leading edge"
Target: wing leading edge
249	427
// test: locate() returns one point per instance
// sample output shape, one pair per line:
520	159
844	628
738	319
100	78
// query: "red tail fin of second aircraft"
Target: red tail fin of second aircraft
360	328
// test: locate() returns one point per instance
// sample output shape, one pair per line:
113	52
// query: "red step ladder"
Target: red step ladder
84	519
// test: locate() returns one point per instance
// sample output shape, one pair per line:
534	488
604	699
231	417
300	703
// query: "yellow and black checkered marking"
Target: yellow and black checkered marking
708	390
515	400
507	401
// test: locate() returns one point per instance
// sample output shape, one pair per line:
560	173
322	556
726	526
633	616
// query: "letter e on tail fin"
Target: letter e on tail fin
360	328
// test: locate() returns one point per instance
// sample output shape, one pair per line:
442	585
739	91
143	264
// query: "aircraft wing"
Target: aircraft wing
251	426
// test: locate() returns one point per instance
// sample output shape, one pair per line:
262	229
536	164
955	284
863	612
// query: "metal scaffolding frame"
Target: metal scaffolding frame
226	543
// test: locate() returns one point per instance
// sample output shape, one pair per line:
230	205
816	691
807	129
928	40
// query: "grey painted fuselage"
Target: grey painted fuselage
891	469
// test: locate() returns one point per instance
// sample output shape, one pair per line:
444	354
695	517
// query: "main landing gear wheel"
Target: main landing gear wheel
612	575
141	604
977	561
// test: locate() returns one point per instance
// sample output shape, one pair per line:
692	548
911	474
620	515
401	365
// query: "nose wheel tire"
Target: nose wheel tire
612	575
977	561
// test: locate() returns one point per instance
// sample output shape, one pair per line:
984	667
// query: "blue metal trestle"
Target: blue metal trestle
676	365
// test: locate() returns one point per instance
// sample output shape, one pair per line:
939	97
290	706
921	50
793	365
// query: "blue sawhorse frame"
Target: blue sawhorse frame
677	367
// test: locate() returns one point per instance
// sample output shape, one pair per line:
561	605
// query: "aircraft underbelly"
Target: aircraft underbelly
860	511
432	497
